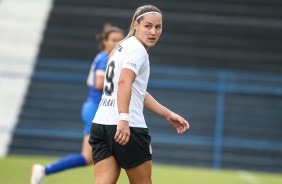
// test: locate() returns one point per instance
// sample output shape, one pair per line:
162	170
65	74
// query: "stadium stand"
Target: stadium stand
218	63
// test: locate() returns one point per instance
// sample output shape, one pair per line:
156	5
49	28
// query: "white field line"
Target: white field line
248	177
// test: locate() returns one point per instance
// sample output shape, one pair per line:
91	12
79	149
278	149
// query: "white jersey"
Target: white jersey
129	54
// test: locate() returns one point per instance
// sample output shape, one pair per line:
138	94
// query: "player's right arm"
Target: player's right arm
99	79
126	79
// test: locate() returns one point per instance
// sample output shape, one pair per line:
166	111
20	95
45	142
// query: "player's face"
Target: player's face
112	41
149	29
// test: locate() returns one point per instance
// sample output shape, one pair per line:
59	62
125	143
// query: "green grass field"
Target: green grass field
17	169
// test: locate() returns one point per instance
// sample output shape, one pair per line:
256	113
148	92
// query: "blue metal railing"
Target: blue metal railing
221	86
219	121
223	82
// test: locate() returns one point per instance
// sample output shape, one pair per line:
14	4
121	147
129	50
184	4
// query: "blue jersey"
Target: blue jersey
91	104
99	63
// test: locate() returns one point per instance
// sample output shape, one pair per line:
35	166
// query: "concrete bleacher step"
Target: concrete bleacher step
45	145
231	40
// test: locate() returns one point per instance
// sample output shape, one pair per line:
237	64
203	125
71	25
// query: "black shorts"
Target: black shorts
135	152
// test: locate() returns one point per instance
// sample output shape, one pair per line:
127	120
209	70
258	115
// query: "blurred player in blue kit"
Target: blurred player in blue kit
108	39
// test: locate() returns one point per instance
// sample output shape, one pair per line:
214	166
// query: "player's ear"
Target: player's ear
135	25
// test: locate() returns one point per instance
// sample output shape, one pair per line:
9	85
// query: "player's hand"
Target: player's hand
178	122
123	132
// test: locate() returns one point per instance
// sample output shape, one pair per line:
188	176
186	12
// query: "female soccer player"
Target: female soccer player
119	136
108	40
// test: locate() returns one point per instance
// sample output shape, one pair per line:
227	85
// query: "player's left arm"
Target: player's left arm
177	121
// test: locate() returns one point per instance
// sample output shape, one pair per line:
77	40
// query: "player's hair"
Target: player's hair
108	29
139	11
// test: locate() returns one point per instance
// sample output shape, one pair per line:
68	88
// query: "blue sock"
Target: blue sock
68	162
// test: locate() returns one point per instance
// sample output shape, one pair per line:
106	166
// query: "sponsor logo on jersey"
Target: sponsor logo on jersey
132	64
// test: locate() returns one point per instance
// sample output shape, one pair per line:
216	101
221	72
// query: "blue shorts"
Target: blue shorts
88	112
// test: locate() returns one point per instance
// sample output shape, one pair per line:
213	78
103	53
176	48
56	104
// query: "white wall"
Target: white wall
22	23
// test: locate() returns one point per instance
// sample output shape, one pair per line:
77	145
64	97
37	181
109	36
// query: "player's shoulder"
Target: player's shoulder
131	45
101	57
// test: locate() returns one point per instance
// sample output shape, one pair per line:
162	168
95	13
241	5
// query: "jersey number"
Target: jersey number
109	85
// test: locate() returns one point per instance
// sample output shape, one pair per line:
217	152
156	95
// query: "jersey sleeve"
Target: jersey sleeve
101	63
135	60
